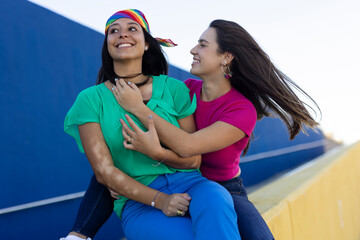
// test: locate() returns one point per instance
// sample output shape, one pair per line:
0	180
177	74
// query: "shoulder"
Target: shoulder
238	101
92	91
193	83
239	112
91	94
170	80
171	83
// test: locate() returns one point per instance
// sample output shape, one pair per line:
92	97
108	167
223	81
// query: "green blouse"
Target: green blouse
170	100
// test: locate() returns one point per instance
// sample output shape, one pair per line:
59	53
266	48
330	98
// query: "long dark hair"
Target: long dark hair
256	77
153	62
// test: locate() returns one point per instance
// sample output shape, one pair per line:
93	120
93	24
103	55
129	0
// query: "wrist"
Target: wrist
160	154
139	109
160	198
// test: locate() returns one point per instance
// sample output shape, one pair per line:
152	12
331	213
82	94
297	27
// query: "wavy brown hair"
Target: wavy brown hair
256	77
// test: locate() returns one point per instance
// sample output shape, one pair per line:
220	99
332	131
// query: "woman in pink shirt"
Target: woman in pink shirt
239	86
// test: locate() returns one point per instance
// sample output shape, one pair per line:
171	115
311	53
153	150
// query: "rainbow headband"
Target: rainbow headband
138	17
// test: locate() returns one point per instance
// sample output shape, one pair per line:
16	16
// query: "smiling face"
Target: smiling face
207	60
125	40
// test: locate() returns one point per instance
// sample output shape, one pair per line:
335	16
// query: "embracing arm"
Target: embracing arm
187	124
148	143
215	137
106	173
172	159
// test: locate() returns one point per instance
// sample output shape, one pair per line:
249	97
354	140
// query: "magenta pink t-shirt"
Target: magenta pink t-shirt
232	108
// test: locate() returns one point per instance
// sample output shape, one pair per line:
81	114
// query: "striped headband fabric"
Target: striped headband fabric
140	18
133	14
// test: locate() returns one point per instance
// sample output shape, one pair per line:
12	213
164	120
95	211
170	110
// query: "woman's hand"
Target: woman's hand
113	194
176	204
147	143
127	95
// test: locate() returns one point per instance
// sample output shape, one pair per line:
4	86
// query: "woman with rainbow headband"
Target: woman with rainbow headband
153	197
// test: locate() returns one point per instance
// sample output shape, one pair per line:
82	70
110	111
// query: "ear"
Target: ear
227	58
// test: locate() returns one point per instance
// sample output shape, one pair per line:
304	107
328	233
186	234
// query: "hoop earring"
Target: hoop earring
227	72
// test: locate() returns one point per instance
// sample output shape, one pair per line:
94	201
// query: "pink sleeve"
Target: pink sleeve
192	85
188	82
240	114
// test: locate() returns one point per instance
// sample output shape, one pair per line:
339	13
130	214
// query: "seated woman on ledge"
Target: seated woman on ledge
154	197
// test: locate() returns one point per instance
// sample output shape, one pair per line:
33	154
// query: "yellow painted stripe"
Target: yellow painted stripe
318	202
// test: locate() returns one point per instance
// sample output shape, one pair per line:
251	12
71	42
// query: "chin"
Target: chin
195	74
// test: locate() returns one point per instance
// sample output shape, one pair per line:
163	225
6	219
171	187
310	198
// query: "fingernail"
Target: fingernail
129	83
116	79
113	89
150	116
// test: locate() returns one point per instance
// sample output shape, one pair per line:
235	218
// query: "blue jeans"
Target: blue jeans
211	210
97	206
95	209
250	223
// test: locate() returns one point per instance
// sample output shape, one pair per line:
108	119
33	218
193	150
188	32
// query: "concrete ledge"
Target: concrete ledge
320	200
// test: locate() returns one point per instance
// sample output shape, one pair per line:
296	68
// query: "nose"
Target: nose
193	50
123	34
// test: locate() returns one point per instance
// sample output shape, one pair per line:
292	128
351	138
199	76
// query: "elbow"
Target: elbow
185	146
187	151
188	147
100	178
185	154
197	162
102	175
193	162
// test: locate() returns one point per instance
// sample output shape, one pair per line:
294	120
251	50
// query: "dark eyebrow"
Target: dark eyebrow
130	23
113	24
134	23
202	40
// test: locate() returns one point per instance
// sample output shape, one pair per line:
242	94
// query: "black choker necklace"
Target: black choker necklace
143	82
135	75
130	76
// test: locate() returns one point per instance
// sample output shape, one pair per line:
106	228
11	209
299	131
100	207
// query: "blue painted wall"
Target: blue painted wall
45	61
271	134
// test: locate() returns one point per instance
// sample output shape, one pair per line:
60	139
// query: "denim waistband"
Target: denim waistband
233	180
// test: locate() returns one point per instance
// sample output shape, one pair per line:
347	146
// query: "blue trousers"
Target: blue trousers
211	210
95	209
97	206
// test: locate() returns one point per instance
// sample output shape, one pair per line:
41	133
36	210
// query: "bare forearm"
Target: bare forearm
210	139
126	186
106	173
170	158
175	138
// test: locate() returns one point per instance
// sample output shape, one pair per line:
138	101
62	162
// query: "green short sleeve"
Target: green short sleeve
170	100
84	110
182	102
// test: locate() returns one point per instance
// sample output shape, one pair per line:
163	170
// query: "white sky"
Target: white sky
315	42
